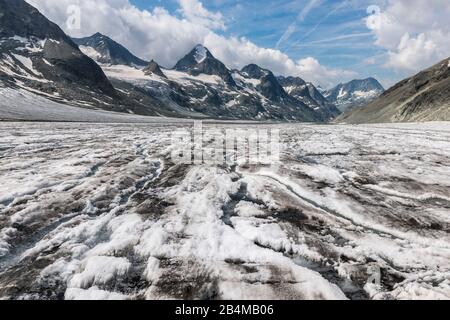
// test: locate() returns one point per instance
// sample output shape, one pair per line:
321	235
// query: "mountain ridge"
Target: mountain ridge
105	50
36	55
422	97
200	60
38	46
354	94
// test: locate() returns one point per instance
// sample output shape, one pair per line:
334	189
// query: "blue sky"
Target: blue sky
334	32
323	41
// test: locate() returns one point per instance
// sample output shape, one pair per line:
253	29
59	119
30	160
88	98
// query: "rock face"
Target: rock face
201	61
32	45
354	94
104	50
18	18
423	97
154	68
307	93
268	86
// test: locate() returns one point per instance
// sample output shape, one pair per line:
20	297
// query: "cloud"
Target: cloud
194	11
415	33
158	34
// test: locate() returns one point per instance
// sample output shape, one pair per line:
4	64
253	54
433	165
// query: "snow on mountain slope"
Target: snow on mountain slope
307	93
21	104
204	88
245	81
104	50
422	97
354	94
107	215
201	61
37	56
200	54
90	52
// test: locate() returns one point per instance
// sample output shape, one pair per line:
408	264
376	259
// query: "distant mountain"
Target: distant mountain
268	86
354	94
201	61
307	93
201	86
154	68
423	97
104	50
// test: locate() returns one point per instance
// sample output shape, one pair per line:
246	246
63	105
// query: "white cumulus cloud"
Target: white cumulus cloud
194	11
163	36
415	33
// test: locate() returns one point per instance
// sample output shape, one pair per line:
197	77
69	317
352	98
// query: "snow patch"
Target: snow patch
90	52
99	270
27	63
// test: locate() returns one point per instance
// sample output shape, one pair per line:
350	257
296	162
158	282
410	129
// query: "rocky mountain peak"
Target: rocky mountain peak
105	50
154	68
201	61
254	71
355	93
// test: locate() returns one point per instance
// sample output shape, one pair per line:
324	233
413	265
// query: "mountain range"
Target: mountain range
422	97
199	84
97	72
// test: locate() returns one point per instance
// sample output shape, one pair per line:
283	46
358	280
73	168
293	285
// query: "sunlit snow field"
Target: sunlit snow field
99	211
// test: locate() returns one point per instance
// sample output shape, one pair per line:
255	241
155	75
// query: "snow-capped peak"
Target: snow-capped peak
200	53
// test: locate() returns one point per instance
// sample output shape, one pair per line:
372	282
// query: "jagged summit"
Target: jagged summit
354	94
269	85
154	68
307	93
201	61
254	71
105	50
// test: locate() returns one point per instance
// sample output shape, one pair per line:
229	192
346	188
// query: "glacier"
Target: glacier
100	211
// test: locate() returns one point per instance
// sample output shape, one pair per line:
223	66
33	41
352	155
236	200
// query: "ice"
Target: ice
101	212
93	294
99	270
